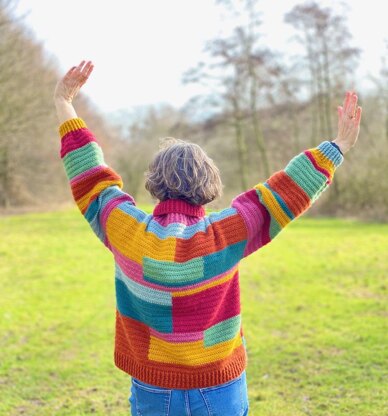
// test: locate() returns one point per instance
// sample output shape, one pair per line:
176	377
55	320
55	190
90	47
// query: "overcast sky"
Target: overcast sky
141	48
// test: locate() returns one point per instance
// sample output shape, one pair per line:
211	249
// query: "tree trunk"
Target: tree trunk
295	129
386	117
257	131
313	92
4	177
329	125
321	102
241	145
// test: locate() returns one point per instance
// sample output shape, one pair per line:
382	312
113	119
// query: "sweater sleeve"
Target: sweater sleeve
96	188
288	193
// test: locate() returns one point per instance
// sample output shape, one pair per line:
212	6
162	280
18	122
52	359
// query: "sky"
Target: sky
141	48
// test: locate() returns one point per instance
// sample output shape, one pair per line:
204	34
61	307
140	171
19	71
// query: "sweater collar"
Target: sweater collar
178	206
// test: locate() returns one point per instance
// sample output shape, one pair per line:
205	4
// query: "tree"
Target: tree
382	89
329	56
31	171
242	71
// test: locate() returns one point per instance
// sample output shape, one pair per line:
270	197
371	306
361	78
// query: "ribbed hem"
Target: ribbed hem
71	125
182	379
179	206
331	152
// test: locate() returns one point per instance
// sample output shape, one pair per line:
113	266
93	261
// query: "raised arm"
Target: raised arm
272	205
96	188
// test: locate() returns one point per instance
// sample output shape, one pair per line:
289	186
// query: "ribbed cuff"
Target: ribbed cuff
71	125
337	147
331	152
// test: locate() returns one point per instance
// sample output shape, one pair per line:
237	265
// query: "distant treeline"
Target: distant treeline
261	110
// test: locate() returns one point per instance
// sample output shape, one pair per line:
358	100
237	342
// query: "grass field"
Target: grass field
314	316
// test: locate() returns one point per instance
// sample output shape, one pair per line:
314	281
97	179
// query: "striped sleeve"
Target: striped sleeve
270	206
96	187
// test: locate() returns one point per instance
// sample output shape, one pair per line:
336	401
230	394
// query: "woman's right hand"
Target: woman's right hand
349	117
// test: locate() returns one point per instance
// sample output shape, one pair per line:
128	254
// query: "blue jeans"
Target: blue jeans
228	399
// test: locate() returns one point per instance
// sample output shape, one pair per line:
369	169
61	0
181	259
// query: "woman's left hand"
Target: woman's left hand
67	88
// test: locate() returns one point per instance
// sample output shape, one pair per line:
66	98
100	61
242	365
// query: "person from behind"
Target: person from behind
179	331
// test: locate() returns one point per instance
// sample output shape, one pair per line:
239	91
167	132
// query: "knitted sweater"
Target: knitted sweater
178	317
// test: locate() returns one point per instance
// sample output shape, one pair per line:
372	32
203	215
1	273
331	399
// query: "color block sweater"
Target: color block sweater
178	317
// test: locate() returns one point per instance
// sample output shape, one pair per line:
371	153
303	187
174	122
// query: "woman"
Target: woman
178	322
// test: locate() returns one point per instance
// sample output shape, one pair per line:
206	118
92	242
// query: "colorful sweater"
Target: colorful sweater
178	317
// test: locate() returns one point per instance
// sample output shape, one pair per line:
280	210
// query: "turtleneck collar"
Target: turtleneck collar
179	206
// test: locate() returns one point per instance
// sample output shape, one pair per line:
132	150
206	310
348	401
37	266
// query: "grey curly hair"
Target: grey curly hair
182	170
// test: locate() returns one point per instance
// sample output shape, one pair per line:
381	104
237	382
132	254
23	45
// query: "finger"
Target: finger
90	70
346	101
353	105
82	79
340	111
80	66
358	115
86	68
87	65
79	74
70	71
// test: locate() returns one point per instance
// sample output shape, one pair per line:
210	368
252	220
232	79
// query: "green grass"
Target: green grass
313	316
